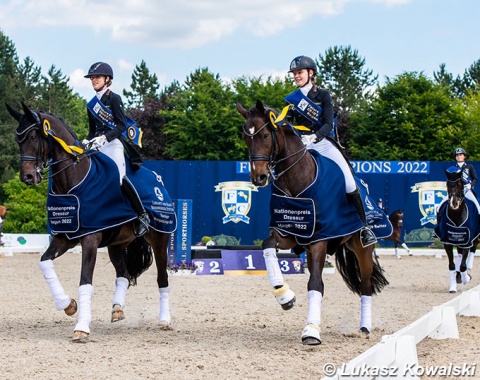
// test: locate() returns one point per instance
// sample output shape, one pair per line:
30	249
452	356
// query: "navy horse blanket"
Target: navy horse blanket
461	234
97	202
320	212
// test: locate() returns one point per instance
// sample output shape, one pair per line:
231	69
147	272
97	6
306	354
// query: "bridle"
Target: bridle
271	159
454	184
44	160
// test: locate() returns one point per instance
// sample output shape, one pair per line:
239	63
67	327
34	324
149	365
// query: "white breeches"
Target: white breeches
327	149
114	150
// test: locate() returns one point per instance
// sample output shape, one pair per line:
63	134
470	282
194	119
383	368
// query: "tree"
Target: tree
202	123
144	87
410	118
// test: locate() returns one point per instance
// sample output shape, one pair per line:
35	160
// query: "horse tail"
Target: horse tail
139	257
347	265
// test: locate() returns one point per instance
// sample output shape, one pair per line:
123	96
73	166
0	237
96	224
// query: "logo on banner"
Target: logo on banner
236	200
430	195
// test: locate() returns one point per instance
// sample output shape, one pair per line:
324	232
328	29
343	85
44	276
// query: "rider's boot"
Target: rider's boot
366	234
141	227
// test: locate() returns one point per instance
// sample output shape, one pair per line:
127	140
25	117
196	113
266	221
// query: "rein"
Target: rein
273	153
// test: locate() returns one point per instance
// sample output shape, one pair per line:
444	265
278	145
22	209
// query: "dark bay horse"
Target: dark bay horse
396	218
453	223
272	147
48	144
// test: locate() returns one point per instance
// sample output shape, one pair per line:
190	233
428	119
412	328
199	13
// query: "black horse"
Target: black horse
277	148
48	144
457	226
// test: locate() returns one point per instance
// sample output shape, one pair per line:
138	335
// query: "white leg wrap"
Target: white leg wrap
366	312
85	293
164	313
458	262
465	277
275	275
121	286
453	282
397	255
59	297
311	331
405	247
470	257
314	314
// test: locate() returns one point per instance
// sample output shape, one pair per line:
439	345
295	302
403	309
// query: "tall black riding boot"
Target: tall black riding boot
366	234
141	227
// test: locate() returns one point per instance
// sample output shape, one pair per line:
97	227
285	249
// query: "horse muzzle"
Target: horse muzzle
31	176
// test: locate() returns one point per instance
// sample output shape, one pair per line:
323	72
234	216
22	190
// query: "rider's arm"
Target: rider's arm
473	175
116	106
327	112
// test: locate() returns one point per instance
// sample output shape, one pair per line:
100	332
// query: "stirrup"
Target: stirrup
141	225
367	237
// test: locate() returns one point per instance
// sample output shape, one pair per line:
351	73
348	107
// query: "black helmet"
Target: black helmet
460	151
100	68
380	200
303	62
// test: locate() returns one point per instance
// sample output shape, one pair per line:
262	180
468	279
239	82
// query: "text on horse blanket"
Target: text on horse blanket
320	212
97	202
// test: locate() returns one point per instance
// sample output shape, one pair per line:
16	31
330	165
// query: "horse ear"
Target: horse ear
31	116
242	110
260	107
15	114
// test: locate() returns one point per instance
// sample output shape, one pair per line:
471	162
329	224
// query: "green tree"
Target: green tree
203	123
410	118
26	207
144	87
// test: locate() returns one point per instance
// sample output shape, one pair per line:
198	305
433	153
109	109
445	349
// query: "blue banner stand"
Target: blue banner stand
179	248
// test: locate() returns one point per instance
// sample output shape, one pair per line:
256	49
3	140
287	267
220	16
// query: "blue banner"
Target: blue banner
181	240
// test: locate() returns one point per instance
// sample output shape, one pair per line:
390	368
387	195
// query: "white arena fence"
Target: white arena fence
399	350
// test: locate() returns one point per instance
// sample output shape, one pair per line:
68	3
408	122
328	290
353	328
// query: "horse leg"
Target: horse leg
121	282
405	247
57	247
465	277
85	290
471	255
451	267
315	259
282	292
397	255
159	243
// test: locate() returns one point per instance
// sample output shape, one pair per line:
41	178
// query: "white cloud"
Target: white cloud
181	23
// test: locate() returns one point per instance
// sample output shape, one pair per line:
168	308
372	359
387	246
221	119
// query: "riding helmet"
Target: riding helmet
460	151
100	68
303	62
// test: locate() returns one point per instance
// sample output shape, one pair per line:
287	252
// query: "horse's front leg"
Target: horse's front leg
282	292
159	243
316	255
90	244
58	246
451	268
461	265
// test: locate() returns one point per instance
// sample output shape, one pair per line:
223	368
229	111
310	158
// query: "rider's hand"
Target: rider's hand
98	142
85	142
468	186
309	139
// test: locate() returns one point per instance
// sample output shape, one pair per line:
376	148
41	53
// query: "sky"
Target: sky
234	38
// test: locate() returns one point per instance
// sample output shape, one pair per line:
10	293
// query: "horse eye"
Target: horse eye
266	135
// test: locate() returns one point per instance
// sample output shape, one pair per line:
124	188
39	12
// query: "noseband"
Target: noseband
21	135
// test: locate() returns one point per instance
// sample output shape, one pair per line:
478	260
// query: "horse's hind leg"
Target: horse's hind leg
405	247
57	247
282	292
121	283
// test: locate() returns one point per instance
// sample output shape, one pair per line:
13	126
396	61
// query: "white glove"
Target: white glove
468	186
98	142
85	142
309	139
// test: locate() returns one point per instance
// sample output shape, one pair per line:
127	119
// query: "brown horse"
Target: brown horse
456	212
272	147
396	219
47	143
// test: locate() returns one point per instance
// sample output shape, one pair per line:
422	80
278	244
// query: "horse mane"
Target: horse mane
65	125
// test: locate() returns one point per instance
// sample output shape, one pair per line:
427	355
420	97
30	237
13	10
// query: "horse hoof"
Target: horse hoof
289	305
72	308
310	341
452	291
458	277
117	313
80	337
165	325
364	330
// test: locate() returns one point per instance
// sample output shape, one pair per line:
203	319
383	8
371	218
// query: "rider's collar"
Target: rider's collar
100	93
306	89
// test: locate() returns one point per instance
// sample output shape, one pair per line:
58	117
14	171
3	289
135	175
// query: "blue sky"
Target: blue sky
236	38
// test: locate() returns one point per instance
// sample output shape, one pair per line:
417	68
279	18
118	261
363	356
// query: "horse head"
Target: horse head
260	135
35	134
454	187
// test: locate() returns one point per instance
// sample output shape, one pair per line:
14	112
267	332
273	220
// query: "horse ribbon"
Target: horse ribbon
102	113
